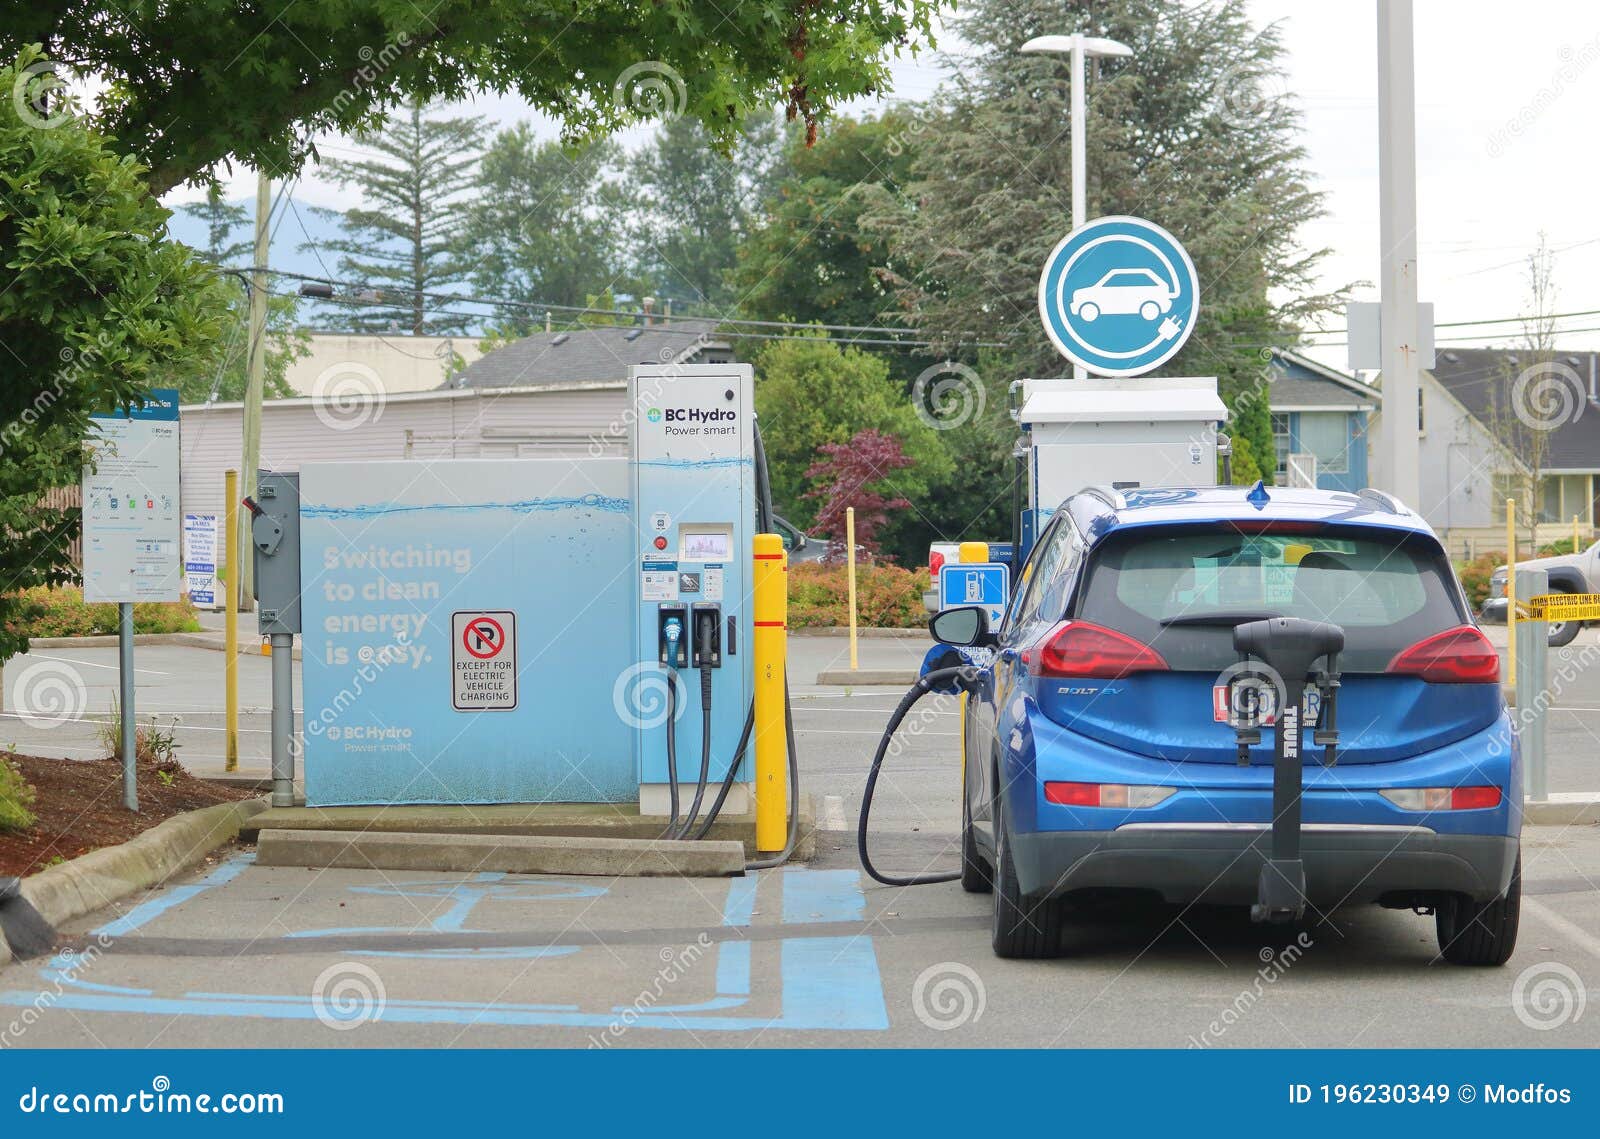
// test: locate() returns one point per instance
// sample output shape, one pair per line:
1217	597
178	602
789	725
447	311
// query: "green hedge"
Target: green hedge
62	612
886	596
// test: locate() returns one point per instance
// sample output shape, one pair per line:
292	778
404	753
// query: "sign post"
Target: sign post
132	533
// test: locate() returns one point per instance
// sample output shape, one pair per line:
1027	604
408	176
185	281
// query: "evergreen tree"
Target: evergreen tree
406	242
1188	132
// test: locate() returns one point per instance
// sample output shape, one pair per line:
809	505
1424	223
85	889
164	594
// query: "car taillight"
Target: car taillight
1462	655
935	564
1130	795
1079	648
1443	798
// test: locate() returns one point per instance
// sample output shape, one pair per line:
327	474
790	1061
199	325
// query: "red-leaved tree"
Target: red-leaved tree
846	477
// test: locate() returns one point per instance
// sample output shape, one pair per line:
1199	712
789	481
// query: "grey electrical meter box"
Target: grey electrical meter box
275	544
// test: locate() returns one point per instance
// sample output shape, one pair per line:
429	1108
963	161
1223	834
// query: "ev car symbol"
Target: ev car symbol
1118	296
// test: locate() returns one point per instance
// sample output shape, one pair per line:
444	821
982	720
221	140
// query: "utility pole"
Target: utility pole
1397	211
254	390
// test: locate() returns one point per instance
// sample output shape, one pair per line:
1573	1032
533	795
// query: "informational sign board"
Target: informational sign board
200	544
1119	296
483	647
131	522
975	583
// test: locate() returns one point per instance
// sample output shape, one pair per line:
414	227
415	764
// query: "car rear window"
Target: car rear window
1387	592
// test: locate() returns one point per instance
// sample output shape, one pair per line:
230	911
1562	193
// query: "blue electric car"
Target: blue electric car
1136	727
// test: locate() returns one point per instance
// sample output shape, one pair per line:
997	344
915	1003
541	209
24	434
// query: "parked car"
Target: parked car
1569	573
1124	292
1103	730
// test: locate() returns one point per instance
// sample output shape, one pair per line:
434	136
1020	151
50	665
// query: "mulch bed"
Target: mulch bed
79	807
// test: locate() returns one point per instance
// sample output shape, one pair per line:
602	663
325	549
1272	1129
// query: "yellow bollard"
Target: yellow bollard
973	552
770	602
1511	591
850	574
230	622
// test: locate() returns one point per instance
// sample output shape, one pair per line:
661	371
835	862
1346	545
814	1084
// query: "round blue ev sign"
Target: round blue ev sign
1119	296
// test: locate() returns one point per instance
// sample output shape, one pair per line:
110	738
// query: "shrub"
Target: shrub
1564	546
1475	574
15	799
886	596
45	611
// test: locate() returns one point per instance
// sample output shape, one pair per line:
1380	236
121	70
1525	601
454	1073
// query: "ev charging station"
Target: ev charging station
523	630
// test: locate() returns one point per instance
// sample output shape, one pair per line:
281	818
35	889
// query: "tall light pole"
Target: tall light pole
1399	334
1078	46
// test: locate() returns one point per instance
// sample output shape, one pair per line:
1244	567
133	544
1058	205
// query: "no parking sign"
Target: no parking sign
483	660
1119	296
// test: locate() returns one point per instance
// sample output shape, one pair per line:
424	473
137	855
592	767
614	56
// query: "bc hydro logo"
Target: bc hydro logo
1119	296
653	415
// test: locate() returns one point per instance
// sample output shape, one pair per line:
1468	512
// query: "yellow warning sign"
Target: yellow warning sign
1563	607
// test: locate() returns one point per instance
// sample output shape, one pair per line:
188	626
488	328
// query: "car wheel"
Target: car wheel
977	876
1023	927
1149	310
1481	933
1562	633
1088	310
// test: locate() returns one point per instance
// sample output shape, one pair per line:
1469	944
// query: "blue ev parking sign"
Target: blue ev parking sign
1119	296
975	583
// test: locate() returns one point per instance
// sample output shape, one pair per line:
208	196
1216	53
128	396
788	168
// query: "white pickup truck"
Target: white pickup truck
1569	573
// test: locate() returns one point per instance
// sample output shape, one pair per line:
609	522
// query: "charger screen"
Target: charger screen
706	546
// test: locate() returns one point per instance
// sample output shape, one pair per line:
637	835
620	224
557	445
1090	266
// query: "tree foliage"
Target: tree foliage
99	307
190	84
407	242
850	476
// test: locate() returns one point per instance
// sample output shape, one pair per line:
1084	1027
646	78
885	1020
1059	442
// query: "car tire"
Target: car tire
1089	311
977	876
1150	310
1562	633
1026	928
1481	933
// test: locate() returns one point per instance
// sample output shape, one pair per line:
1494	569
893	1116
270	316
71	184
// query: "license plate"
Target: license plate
1247	703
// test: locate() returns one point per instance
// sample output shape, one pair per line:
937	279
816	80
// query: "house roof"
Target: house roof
1301	383
584	355
1559	391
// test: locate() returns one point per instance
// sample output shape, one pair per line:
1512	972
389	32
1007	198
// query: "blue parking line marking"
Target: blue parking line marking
828	983
151	908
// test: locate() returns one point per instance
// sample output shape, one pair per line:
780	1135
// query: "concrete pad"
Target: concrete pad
851	677
1563	809
507	853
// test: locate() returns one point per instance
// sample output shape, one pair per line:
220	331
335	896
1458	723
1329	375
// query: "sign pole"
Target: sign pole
1397	226
1080	162
130	755
228	554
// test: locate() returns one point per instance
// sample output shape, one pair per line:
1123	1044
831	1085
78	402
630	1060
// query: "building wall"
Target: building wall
575	420
392	363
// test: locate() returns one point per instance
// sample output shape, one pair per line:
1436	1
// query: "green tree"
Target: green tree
99	307
1187	131
407	242
190	84
811	391
692	207
542	228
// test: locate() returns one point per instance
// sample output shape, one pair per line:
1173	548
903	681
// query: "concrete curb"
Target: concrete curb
512	854
101	877
844	631
249	643
1563	809
845	677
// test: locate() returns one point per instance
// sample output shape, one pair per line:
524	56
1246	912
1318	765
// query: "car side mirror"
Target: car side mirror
966	626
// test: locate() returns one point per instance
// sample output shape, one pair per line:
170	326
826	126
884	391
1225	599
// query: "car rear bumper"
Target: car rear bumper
1221	864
